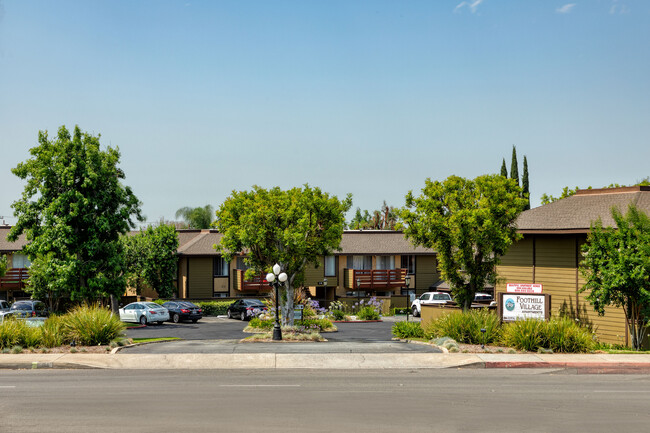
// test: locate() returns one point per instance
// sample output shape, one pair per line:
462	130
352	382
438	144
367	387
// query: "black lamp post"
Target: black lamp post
276	283
407	280
483	332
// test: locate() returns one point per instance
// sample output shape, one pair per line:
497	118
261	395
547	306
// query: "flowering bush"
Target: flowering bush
368	310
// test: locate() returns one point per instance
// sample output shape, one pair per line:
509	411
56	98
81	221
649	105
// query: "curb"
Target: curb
603	367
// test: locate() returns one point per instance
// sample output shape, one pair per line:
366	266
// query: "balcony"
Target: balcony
374	279
256	284
14	279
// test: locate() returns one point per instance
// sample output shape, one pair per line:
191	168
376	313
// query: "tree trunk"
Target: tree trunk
115	308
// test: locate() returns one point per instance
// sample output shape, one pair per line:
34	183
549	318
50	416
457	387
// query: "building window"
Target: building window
360	263
408	263
330	266
220	267
385	262
220	295
20	261
241	264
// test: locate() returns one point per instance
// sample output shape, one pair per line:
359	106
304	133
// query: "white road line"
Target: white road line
7	386
624	392
260	386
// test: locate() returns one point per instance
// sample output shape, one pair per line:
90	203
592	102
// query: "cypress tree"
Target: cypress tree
514	171
504	169
525	185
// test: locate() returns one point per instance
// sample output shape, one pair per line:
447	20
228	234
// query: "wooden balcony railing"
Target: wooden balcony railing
374	279
256	284
14	279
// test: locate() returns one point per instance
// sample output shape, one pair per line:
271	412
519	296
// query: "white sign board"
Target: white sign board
523	288
521	306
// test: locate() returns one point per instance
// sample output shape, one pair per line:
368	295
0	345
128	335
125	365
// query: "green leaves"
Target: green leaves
470	224
72	210
616	267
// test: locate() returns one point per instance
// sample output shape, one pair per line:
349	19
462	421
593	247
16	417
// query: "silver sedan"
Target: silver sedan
144	312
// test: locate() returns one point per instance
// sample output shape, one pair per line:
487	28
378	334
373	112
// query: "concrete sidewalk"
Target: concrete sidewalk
591	363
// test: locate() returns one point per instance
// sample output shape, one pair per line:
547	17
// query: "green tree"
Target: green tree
292	228
385	218
525	187
197	217
72	211
566	192
514	170
504	169
469	223
3	266
616	267
151	259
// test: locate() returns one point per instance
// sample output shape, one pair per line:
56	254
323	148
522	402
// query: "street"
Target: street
322	401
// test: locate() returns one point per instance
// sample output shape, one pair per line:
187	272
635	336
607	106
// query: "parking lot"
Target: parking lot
220	335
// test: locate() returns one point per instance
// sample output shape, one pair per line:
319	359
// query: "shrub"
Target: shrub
338	314
407	330
367	313
214	308
31	337
524	334
258	323
92	325
52	332
466	327
318	324
565	335
557	335
11	331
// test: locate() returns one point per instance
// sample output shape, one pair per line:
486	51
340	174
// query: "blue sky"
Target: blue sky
361	97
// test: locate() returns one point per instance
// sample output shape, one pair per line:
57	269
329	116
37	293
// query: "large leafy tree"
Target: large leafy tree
289	227
469	223
197	217
72	211
616	266
385	218
151	259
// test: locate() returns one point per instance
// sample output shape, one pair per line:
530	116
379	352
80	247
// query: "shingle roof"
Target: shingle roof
200	243
6	246
576	213
378	242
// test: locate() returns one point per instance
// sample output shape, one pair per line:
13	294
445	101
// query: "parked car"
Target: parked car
29	309
483	298
4	306
246	309
430	298
144	312
183	310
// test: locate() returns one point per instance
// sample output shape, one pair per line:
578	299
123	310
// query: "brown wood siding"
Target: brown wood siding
426	272
555	269
516	266
314	275
200	277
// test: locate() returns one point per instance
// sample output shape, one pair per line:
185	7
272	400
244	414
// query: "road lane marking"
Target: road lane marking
260	386
624	392
7	386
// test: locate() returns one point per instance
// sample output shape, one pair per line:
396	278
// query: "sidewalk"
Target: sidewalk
590	363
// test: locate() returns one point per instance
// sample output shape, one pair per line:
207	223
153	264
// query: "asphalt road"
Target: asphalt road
322	401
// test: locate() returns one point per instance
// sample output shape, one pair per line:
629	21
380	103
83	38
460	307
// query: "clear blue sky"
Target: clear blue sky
366	97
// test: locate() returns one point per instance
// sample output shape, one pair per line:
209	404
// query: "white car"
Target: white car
430	298
144	312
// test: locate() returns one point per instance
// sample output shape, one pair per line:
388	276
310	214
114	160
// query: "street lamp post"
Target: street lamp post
358	291
276	283
407	280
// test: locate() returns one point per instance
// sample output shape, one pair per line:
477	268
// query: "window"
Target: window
330	266
220	295
241	264
220	267
20	261
385	262
408	263
360	262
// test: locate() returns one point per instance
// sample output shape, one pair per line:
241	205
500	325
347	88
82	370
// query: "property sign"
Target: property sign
523	306
523	288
